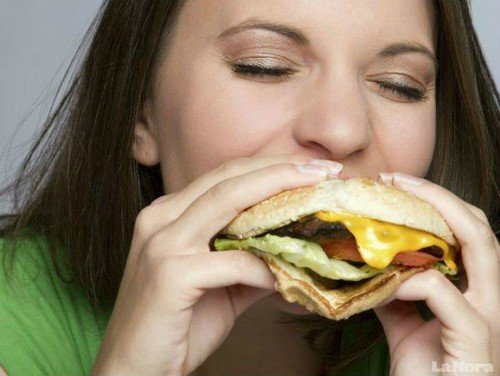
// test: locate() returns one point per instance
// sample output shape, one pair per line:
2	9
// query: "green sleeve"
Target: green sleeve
47	327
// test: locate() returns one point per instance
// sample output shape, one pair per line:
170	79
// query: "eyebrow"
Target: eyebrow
296	35
285	30
396	49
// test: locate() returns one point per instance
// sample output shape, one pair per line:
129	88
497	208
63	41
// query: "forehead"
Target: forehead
381	20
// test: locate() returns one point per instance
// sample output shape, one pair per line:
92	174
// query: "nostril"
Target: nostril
323	151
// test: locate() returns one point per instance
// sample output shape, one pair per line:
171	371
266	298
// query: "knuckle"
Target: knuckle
216	192
435	280
242	261
232	165
164	242
170	216
225	190
481	214
162	199
143	223
287	169
485	232
169	242
152	218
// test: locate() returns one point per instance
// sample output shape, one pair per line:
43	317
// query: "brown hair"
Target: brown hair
80	187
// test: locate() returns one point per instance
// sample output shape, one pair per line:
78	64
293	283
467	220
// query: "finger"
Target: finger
482	217
166	209
199	272
450	307
479	252
212	211
399	319
242	166
476	211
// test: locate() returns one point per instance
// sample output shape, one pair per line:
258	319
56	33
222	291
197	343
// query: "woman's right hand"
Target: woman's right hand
177	300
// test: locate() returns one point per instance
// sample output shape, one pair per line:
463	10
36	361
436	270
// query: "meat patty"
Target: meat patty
312	228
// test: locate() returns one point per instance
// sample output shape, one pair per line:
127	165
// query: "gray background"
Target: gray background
38	39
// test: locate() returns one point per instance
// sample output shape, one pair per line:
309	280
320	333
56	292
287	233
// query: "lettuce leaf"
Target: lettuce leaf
303	254
444	269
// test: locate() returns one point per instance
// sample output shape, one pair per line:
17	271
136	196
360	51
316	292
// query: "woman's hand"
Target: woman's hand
466	330
177	300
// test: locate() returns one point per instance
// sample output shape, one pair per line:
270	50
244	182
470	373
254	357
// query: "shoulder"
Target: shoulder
30	291
48	326
26	263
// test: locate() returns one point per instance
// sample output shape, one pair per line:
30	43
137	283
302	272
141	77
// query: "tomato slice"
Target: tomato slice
414	258
348	250
343	250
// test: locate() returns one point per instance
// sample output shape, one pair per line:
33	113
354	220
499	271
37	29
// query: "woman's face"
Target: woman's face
350	81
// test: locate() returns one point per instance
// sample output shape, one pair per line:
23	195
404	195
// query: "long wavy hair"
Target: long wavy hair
81	189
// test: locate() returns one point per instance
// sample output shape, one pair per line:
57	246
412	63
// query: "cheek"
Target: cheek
406	137
214	121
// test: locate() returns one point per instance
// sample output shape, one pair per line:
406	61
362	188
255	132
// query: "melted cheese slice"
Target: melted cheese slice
379	242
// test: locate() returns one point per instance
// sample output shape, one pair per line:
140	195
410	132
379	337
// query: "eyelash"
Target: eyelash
261	71
407	92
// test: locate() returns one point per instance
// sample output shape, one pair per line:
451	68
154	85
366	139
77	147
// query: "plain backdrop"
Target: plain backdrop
39	37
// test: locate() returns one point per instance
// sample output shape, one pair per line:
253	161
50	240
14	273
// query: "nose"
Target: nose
334	117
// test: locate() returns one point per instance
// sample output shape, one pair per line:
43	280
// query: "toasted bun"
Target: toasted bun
363	196
297	287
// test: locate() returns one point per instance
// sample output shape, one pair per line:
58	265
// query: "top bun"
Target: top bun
360	195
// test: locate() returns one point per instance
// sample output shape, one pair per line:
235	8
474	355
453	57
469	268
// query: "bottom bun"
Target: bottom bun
296	286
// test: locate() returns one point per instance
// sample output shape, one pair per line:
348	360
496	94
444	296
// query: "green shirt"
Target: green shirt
377	363
47	326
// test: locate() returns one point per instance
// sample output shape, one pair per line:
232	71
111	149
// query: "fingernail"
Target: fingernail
313	169
385	177
334	167
407	179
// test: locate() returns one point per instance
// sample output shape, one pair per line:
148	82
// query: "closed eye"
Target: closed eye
407	92
263	72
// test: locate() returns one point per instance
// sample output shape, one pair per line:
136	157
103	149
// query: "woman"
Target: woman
183	114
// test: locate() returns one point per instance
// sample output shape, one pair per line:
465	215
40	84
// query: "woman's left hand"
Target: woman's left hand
464	336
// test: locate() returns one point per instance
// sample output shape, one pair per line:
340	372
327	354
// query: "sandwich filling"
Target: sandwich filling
349	247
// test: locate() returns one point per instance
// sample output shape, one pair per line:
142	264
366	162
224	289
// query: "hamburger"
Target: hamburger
342	246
